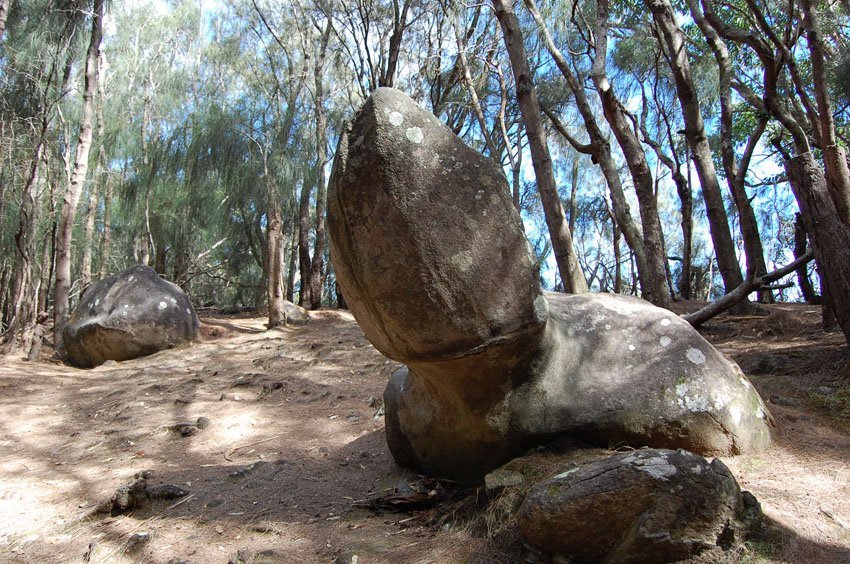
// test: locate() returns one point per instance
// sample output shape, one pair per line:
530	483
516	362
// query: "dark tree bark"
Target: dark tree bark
828	234
735	172
559	233
600	151
721	235
800	247
654	280
317	274
72	196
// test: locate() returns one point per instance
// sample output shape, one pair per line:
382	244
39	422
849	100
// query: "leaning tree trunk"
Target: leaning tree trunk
721	235
834	157
735	174
72	196
827	233
654	283
600	150
559	233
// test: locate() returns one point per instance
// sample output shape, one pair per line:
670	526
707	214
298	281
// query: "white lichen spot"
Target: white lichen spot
696	356
607	326
97	302
623	306
162	305
696	469
665	340
719	400
414	135
479	195
736	414
396	119
173	301
657	467
690	402
631	347
126	306
665	322
463	260
130	279
188	311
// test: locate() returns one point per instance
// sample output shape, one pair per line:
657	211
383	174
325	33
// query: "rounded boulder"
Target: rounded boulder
128	315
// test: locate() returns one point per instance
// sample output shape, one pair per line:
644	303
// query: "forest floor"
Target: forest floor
289	462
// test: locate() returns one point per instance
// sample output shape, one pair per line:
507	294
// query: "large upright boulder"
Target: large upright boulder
127	315
432	259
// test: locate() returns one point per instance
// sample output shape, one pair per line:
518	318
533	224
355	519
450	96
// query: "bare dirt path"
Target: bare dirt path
276	438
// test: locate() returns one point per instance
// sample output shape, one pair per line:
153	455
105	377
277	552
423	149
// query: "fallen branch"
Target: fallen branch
229	453
739	294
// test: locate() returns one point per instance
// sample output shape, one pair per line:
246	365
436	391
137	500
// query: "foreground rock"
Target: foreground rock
128	315
643	506
431	257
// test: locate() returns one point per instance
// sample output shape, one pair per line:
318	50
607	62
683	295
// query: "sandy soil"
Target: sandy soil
289	455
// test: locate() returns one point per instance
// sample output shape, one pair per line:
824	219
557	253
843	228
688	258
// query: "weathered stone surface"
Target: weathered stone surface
412	217
432	259
127	315
643	506
295	314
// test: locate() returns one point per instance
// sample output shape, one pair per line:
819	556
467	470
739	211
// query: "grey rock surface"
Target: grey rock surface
432	259
643	506
127	315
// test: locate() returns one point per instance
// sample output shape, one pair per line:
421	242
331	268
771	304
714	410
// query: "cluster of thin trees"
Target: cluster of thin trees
668	148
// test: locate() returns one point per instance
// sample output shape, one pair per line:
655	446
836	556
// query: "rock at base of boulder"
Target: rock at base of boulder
649	505
127	315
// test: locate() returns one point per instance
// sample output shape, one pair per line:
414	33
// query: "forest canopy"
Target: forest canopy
690	146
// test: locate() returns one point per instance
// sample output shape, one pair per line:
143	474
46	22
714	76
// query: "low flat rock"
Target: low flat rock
643	506
127	315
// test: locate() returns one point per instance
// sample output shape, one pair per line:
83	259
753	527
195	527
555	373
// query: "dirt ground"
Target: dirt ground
276	440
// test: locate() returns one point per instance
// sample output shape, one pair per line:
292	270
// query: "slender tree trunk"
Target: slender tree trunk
735	174
653	281
72	197
562	243
828	234
106	244
48	256
96	185
721	235
317	274
293	262
274	236
687	200
800	247
304	261
834	157
600	151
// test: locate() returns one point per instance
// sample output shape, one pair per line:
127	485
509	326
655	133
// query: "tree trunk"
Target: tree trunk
317	274
735	174
562	243
834	157
304	262
800	246
274	237
97	184
654	280
721	235
293	262
600	151
828	234
72	196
